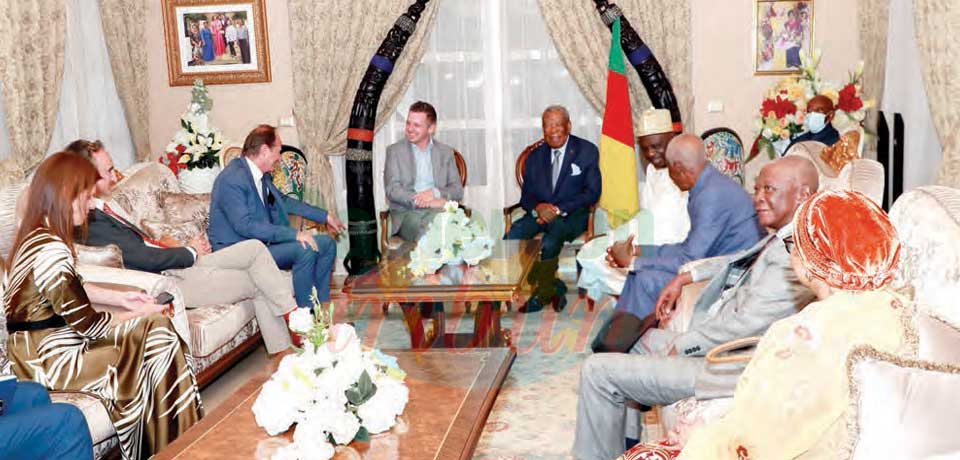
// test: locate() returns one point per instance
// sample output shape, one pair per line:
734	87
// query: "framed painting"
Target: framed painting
782	29
220	41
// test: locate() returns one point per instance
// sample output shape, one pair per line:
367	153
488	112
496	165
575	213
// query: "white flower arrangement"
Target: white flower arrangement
334	389
197	144
451	238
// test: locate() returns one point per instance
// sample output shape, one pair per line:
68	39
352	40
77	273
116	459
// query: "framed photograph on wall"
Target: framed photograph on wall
221	41
781	30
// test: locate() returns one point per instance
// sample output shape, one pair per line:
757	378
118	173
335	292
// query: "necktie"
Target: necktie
556	167
267	197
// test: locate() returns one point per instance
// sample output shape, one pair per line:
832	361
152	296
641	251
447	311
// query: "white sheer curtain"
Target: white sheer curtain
904	94
89	105
490	69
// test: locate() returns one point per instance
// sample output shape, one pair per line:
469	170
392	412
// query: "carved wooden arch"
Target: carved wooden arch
361	211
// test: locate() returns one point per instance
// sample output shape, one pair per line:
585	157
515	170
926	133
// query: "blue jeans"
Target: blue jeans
311	269
33	428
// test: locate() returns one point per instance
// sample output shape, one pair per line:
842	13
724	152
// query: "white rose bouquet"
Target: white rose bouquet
451	238
334	389
197	144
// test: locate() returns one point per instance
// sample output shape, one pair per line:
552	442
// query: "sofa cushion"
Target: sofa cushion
137	197
201	363
214	326
101	428
181	232
186	207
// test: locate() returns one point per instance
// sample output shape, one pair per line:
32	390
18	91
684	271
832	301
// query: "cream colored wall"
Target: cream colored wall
723	60
236	108
722	71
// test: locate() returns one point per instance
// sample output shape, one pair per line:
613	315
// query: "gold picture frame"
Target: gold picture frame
198	34
782	29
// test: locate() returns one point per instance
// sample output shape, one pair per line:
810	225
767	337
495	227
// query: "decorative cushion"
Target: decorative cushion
104	256
8	218
101	428
939	341
137	196
214	326
725	152
186	207
904	408
181	232
653	451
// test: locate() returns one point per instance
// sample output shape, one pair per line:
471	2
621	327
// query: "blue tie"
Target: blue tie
266	195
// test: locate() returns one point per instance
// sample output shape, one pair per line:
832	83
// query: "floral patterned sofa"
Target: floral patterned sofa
927	220
218	336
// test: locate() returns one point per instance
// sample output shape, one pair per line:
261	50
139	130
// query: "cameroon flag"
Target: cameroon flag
618	162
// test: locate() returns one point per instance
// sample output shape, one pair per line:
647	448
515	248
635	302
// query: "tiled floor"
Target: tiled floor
535	412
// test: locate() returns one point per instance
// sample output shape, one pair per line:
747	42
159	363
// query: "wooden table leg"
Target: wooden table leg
486	325
414	322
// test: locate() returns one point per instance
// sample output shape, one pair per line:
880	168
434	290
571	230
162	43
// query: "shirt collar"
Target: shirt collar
562	149
255	170
785	231
417	150
98	203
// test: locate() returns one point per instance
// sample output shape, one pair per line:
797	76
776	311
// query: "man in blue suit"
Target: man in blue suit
31	427
722	221
561	181
246	205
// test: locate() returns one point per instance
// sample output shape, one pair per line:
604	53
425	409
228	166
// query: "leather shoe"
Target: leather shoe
559	302
532	305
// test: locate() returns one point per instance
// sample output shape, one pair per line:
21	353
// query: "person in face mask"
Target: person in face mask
820	112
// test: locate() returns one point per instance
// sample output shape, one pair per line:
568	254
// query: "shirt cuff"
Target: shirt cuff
192	251
436	193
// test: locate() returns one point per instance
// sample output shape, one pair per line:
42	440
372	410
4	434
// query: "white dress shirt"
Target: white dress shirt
257	177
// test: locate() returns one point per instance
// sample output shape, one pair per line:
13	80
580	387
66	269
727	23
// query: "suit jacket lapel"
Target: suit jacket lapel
565	167
436	167
256	186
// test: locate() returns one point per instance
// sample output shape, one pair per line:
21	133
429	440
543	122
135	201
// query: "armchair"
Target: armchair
725	151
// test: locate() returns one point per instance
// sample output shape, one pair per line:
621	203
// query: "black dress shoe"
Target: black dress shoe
559	302
532	305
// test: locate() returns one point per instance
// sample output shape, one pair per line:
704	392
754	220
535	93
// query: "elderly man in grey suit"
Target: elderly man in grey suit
420	175
748	291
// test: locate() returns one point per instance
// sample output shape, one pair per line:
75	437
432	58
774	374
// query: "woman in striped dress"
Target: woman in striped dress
132	359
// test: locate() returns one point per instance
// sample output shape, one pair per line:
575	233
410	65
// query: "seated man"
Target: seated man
722	221
420	176
659	196
747	292
32	427
245	205
820	113
561	181
243	271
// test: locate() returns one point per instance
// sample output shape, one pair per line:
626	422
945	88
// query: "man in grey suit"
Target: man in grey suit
748	291
420	176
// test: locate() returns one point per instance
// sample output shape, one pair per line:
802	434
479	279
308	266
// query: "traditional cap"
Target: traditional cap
845	239
655	121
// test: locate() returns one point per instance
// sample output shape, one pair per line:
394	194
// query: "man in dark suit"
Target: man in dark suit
244	271
561	181
820	111
246	205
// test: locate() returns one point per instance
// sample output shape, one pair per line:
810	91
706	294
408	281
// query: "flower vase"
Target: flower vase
198	180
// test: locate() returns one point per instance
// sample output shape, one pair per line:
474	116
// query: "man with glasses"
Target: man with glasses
747	292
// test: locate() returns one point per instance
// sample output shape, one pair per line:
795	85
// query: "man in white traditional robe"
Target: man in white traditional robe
663	217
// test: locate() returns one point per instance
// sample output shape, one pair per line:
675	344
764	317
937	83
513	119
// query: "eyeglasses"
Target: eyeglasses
788	243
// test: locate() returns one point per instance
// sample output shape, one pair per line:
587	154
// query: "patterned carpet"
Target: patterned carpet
534	415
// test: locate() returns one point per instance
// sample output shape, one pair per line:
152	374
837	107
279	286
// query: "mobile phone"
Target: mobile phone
163	298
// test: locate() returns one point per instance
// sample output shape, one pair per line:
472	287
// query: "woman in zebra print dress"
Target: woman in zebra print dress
132	359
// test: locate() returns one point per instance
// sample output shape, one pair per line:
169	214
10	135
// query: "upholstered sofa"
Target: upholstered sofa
927	220
218	336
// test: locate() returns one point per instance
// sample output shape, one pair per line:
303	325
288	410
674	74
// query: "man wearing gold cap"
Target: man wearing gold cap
665	203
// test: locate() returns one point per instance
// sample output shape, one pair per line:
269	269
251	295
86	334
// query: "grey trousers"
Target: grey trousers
645	375
413	223
242	271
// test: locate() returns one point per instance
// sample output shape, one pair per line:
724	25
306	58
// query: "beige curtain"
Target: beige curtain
31	68
332	45
583	42
935	22
123	29
872	23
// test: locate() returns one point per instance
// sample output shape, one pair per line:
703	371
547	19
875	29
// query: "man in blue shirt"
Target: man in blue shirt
722	221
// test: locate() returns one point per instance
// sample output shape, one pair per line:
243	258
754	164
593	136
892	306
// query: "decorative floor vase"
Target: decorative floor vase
198	180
